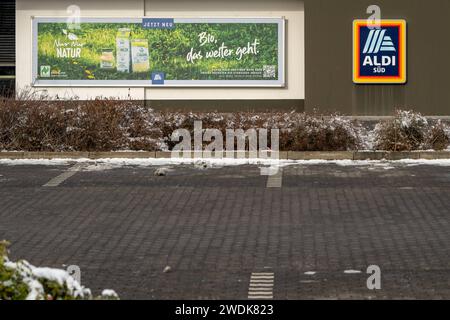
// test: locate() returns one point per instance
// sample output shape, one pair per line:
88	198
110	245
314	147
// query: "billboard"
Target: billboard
159	52
379	53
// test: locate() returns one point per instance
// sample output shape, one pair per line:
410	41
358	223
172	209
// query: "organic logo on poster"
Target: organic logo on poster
45	71
379	55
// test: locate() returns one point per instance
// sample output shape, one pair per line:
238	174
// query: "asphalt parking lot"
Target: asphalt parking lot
311	231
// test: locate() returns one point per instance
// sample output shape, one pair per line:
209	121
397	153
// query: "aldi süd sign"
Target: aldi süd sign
379	53
159	52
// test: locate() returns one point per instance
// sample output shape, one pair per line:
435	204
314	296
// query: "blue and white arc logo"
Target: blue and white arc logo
158	77
378	41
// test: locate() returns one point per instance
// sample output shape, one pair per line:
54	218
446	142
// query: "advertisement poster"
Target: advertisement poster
379	53
159	52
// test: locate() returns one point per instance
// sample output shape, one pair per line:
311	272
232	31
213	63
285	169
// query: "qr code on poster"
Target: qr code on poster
269	71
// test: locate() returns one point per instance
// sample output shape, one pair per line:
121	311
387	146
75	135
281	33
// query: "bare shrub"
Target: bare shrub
36	123
95	125
33	122
29	124
320	133
298	131
437	137
405	132
9	116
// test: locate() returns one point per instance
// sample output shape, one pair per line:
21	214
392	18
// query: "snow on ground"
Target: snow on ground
99	166
111	163
109	294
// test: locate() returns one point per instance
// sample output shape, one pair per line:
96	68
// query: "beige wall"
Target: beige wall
292	10
25	9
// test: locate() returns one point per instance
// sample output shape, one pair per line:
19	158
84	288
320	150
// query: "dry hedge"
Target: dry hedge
100	125
409	130
297	131
437	137
36	123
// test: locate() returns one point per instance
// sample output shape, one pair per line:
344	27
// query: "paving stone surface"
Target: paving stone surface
216	226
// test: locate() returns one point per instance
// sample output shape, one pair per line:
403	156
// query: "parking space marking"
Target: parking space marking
276	180
261	285
352	271
56	181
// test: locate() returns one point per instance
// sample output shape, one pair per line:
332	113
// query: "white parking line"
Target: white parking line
261	286
56	181
258	285
352	271
276	180
255	274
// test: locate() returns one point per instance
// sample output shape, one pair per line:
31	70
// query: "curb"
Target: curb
283	155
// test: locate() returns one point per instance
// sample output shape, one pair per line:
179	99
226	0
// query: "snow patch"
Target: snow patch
161	172
56	275
100	166
109	293
110	163
418	162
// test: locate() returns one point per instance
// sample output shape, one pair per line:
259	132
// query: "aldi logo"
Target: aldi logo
379	54
158	77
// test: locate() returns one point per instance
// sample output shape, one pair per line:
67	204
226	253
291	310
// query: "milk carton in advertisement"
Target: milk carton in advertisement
123	50
140	55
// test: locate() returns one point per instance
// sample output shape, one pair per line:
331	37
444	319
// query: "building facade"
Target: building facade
316	55
7	46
